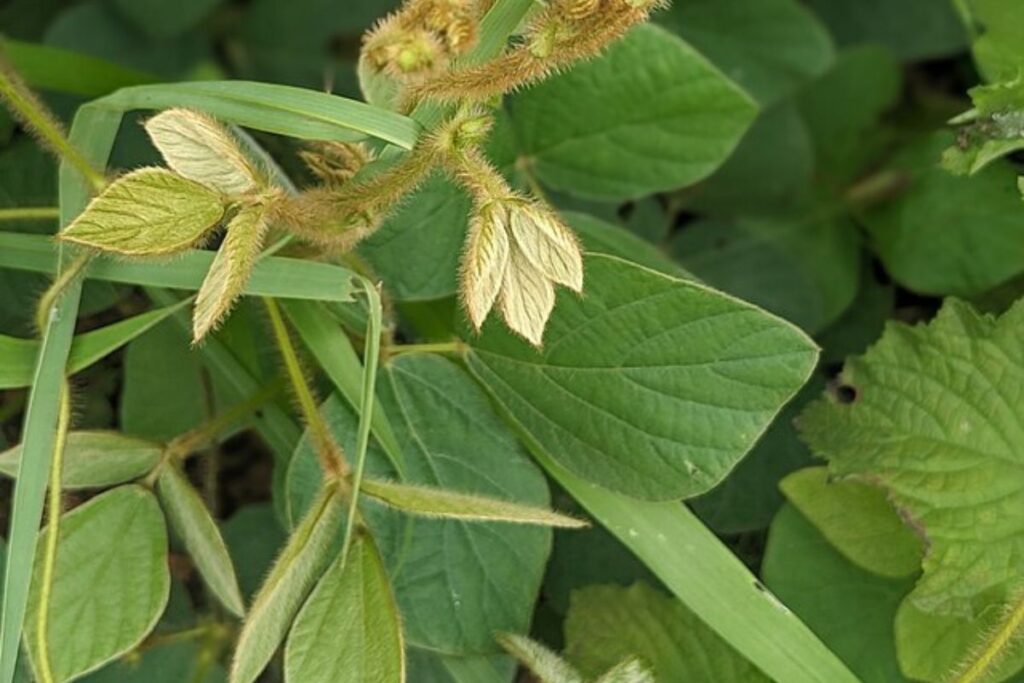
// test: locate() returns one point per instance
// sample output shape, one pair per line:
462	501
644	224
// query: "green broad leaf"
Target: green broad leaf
424	501
857	520
46	67
650	115
749	497
111	569
999	37
432	667
995	128
769	173
802	269
285	589
912	29
609	624
349	630
948	235
850	609
162	389
192	522
769	47
254	537
273	276
923	403
160	20
95	460
149	212
843	110
648	385
931	646
604	238
19	355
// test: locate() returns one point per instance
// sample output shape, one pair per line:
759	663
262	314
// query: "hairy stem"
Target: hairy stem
37	118
332	458
453	347
52	534
52	294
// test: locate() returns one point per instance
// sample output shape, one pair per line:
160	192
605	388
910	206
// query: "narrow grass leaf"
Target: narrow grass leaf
426	501
192	522
349	631
92	133
274	276
18	356
96	459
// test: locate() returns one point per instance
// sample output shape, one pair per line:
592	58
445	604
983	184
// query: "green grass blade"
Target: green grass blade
18	356
339	361
280	109
53	68
275	276
710	581
93	132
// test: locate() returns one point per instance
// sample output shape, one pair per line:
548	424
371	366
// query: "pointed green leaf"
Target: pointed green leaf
931	415
295	573
857	520
648	385
110	582
148	212
650	115
231	269
349	630
426	501
192	522
607	624
96	459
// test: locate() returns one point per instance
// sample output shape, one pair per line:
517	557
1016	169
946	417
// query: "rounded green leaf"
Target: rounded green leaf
648	385
349	630
96	459
192	522
111	582
650	115
148	212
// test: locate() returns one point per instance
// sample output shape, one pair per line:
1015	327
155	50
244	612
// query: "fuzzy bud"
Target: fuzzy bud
335	163
401	51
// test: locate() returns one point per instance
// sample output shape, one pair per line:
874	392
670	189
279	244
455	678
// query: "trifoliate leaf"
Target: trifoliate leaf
608	624
148	212
931	414
197	147
349	630
230	269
